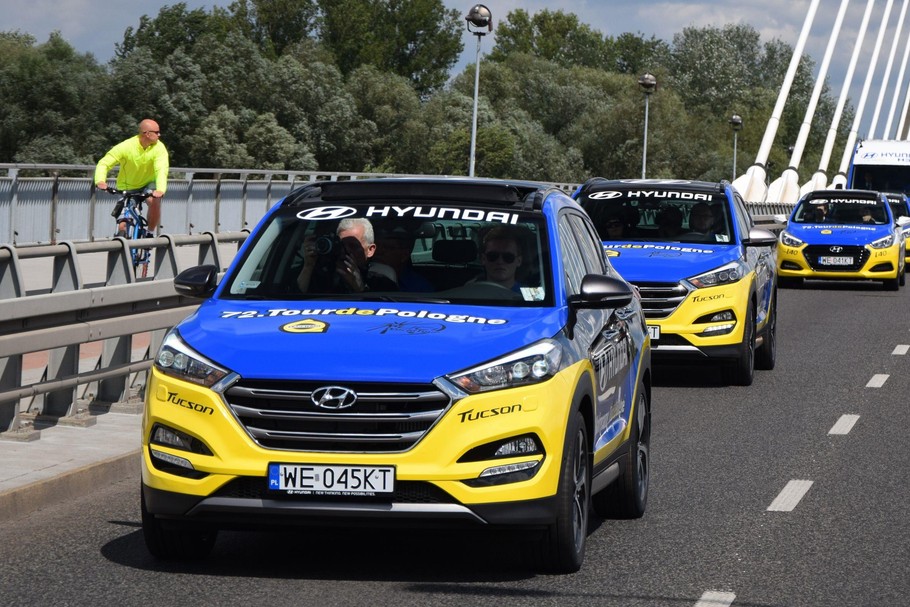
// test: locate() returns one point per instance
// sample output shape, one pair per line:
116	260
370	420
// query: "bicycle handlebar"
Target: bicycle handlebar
144	193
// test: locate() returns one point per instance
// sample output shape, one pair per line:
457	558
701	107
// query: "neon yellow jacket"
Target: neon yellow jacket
138	167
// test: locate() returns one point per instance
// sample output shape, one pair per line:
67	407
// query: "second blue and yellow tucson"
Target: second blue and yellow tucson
705	271
392	351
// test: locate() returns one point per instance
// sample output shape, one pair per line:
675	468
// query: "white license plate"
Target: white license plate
654	331
311	479
835	261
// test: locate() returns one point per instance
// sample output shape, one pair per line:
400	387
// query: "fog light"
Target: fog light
507	473
520	446
173	460
508	469
718	330
722	316
169	437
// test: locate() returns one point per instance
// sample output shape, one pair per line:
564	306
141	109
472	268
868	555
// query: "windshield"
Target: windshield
438	252
660	215
841	211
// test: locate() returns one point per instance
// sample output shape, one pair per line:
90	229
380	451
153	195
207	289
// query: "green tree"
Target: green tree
715	67
44	92
174	27
217	143
555	36
417	39
273	147
275	25
633	54
390	103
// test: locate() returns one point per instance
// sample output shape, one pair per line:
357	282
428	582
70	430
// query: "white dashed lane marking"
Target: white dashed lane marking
844	424
790	496
900	350
878	380
713	598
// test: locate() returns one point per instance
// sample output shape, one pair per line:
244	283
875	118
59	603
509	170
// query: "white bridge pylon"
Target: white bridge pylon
752	184
786	188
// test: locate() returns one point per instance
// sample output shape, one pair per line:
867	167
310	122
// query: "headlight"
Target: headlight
790	240
536	363
177	359
883	243
723	275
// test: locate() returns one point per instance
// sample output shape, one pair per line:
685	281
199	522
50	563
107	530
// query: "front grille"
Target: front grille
386	417
812	253
406	492
660	299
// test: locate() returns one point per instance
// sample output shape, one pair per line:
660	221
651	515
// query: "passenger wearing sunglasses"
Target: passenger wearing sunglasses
144	162
501	258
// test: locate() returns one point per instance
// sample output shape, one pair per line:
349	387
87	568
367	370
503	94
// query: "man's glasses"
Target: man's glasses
614	224
494	256
147	132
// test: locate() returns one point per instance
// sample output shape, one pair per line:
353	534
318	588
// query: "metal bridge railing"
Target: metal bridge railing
50	203
78	345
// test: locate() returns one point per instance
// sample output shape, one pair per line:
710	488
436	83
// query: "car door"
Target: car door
605	335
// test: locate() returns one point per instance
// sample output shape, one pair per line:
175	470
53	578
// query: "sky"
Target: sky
93	26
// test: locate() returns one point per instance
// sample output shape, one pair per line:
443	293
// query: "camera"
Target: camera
329	245
329	251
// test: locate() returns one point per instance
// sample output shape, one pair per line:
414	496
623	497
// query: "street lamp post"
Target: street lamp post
736	122
647	83
478	18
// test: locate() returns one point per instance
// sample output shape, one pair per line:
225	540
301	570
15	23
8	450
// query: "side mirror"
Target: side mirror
780	218
759	237
198	281
903	220
599	291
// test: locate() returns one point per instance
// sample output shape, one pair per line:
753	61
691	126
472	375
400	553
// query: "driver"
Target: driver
501	258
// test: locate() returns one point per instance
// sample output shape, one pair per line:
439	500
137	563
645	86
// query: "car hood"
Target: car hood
819	233
363	341
668	261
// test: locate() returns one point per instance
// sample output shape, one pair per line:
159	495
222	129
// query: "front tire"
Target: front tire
174	541
627	496
766	355
741	371
563	542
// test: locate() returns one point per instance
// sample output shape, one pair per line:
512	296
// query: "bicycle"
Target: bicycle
128	210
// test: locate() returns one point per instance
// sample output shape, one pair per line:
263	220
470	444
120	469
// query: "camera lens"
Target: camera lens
324	244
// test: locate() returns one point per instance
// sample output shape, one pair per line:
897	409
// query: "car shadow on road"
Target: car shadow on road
353	554
811	284
678	375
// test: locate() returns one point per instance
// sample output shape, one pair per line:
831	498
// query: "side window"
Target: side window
589	244
571	256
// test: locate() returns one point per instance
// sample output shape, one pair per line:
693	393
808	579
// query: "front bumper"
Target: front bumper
230	484
876	264
690	333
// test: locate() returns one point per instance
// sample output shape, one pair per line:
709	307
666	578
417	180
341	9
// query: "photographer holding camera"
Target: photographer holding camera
340	262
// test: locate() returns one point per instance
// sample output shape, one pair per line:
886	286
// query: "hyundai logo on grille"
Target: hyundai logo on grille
333	397
836	249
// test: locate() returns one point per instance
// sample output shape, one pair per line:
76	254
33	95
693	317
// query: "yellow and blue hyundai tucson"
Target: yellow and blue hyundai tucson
706	273
453	352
